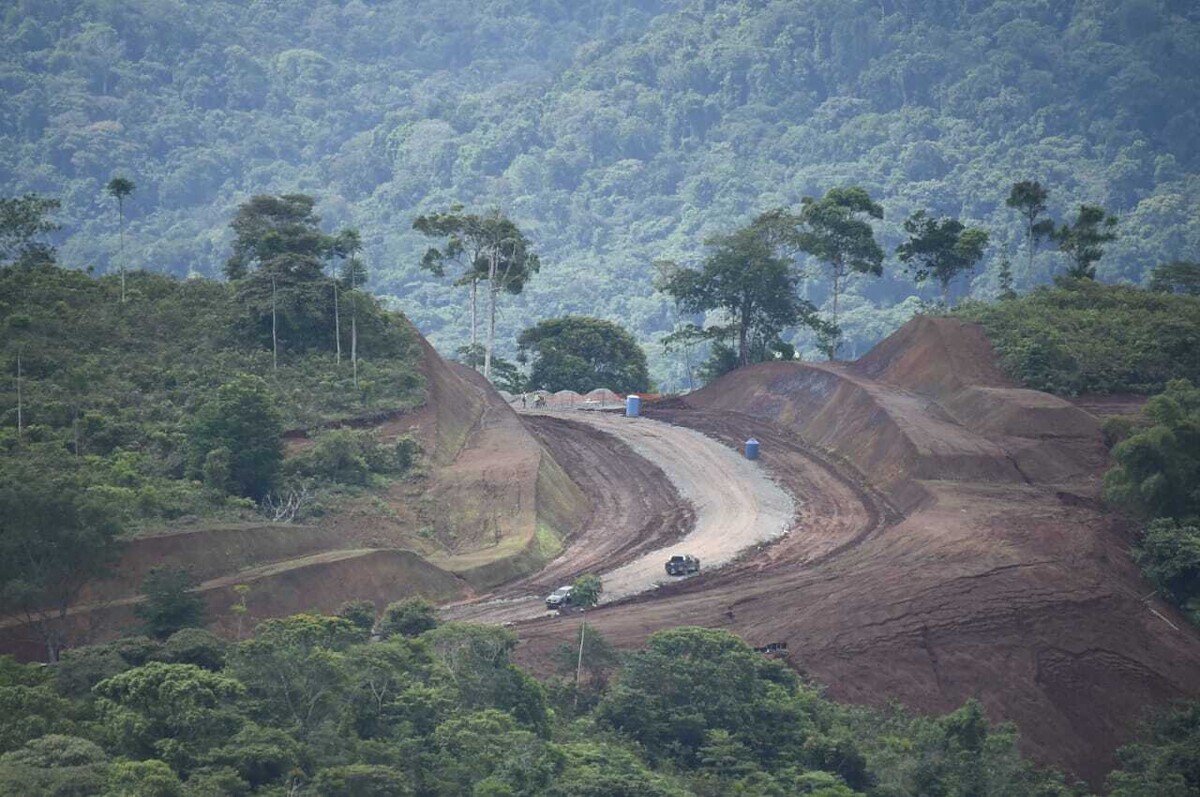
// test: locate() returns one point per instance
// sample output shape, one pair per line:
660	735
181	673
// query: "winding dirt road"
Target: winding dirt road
722	502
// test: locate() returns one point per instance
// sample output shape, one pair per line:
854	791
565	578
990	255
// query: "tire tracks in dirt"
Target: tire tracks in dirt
648	481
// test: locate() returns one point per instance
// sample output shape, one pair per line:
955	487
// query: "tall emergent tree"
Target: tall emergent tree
278	265
354	273
1028	197
487	247
120	189
1083	242
940	249
746	279
55	536
836	230
346	245
581	354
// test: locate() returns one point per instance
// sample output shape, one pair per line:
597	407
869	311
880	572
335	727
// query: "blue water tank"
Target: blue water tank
633	406
751	449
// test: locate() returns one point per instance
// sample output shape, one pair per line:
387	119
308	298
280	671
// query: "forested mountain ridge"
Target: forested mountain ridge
614	134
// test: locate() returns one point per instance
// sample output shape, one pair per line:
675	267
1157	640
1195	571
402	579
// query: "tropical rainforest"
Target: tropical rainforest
614	134
304	706
221	221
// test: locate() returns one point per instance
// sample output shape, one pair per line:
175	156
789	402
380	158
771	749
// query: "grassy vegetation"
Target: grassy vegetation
113	389
1086	337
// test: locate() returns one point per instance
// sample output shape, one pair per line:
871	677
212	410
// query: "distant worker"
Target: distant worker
522	401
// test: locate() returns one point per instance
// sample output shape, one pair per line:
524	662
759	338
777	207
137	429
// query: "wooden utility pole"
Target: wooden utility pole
579	662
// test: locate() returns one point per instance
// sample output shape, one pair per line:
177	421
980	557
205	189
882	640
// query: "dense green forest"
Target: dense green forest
436	710
1084	337
614	134
138	394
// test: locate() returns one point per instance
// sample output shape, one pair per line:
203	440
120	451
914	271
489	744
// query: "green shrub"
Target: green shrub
348	456
1087	337
409	617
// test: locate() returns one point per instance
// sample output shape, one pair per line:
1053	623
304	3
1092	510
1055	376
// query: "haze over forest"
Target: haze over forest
613	133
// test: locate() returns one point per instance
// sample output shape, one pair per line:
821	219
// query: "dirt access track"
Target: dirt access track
724	505
950	544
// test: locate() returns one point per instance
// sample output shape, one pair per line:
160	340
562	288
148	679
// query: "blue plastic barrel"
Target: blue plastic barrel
751	449
633	406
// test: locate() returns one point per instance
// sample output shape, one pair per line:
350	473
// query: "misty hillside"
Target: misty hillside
614	133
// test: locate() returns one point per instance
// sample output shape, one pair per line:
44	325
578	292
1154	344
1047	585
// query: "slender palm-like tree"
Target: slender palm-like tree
119	188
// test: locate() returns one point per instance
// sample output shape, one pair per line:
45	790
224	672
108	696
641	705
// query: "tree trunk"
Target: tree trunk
353	329
579	662
946	294
121	226
491	338
20	404
474	315
354	347
274	331
837	335
493	266
1029	240
337	325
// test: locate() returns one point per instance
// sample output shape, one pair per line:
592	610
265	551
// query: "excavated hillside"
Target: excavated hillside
950	543
493	505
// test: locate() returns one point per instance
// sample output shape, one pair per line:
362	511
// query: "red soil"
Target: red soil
955	546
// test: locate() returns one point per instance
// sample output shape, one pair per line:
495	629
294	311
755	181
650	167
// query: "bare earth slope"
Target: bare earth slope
954	547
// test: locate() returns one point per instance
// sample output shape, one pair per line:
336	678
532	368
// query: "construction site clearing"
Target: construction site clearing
915	529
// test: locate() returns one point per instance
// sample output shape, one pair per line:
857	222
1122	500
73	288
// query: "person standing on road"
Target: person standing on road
522	401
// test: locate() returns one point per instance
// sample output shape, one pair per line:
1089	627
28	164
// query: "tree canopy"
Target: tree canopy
235	442
582	354
613	134
940	249
755	289
308	705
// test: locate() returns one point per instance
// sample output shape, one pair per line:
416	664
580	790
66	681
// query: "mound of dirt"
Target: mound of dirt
934	356
928	404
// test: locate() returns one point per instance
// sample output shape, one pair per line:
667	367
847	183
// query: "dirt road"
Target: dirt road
732	503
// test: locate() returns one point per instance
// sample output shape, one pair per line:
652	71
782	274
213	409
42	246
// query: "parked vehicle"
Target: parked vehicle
682	565
559	599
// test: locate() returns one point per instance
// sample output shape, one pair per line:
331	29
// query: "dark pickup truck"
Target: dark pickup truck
682	565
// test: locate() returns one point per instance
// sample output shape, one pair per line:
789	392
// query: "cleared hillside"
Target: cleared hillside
955	547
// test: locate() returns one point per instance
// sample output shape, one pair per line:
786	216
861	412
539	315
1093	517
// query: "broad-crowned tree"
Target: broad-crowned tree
745	278
23	221
836	230
235	440
940	249
55	536
170	602
581	354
